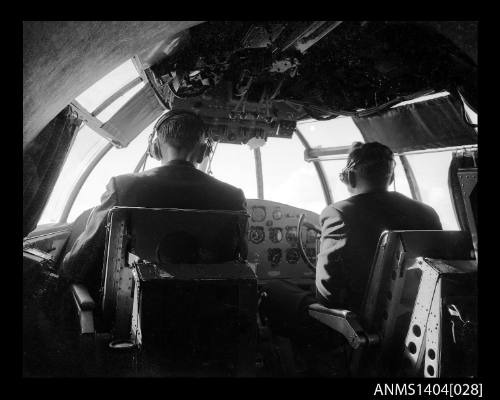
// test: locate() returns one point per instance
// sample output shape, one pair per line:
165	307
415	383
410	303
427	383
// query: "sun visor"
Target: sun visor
137	114
431	124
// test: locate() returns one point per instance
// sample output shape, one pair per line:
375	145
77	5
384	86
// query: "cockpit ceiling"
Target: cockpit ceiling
277	71
266	74
61	59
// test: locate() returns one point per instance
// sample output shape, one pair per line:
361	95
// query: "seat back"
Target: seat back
392	287
163	236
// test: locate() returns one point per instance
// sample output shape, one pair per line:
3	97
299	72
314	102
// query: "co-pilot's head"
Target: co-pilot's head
180	135
370	167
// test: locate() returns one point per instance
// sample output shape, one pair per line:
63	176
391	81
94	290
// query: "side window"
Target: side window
115	162
235	164
288	178
431	173
86	146
340	131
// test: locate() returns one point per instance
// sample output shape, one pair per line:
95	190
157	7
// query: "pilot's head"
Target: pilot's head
370	167
180	136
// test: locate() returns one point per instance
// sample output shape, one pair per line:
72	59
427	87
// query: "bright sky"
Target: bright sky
287	177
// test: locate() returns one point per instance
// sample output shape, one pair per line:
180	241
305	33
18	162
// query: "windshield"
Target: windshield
286	176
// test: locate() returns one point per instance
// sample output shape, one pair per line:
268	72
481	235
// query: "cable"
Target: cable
209	167
363	113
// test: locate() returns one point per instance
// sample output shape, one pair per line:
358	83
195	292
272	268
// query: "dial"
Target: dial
258	214
276	235
277	214
311	236
311	254
256	234
292	255
274	256
291	234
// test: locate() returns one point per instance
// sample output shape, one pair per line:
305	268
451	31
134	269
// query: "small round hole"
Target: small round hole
432	354
417	331
412	347
430	370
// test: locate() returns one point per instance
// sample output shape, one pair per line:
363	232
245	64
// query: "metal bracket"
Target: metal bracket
342	321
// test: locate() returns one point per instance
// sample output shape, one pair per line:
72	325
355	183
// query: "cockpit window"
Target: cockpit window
115	162
340	131
235	164
110	110
288	178
86	145
431	173
109	84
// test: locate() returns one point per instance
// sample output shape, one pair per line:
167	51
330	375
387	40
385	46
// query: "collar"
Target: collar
179	163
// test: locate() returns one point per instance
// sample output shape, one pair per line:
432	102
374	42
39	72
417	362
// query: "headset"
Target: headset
154	150
347	175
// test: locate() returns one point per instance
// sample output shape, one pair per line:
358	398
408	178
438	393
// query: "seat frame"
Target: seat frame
399	255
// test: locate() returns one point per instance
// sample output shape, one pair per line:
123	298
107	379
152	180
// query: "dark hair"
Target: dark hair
372	161
181	130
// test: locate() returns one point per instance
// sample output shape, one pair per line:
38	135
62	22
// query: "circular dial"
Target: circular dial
292	255
256	234
276	235
291	234
274	256
311	236
277	214
311	253
258	214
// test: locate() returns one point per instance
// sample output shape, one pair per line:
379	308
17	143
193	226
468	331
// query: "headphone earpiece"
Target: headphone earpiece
391	179
351	178
202	153
347	175
154	147
205	150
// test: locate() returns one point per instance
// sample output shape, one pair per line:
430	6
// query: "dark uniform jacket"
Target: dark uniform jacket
177	184
350	233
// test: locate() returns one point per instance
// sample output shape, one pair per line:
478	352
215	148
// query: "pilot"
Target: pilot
180	143
350	232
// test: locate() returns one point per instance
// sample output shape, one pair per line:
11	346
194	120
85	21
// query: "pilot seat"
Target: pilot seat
418	317
177	296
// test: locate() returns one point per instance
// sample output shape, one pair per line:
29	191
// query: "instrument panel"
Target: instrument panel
273	243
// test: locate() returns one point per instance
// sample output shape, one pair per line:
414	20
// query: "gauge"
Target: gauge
277	214
311	254
292	255
291	234
256	234
258	214
276	235
274	256
311	236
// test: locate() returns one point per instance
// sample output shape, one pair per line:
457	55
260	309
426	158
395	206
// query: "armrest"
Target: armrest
85	306
343	321
82	297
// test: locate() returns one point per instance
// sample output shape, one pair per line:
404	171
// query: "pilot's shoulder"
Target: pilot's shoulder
415	204
125	180
222	185
334	210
